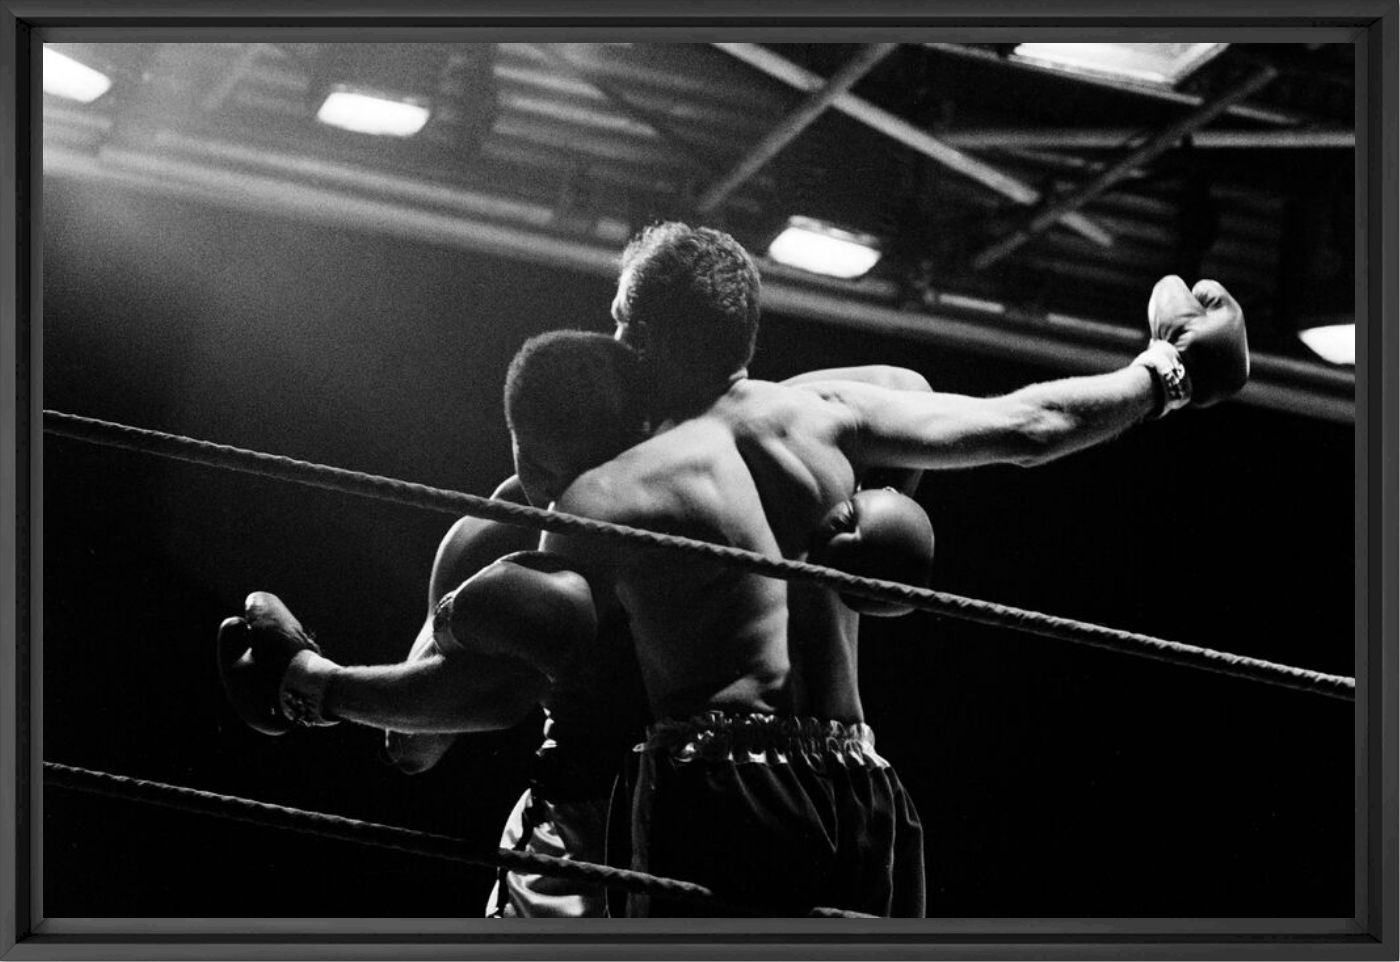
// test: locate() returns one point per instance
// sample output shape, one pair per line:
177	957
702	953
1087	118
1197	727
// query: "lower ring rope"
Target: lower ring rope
378	835
454	502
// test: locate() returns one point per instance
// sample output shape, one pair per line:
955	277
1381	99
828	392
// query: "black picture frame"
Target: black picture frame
25	934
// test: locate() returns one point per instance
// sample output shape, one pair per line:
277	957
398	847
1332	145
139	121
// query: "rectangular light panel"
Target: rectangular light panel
65	77
1153	63
810	245
369	114
1332	342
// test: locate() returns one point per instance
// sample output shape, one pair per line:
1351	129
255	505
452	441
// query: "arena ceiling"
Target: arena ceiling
1021	211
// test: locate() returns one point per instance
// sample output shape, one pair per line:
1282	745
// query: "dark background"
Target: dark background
1053	780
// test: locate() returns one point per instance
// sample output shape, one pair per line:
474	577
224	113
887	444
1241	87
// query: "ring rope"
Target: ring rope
973	610
378	835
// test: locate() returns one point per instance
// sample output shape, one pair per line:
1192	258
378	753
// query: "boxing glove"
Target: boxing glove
529	605
878	533
271	669
1199	354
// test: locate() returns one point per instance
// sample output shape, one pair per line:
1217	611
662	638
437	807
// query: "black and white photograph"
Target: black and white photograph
911	481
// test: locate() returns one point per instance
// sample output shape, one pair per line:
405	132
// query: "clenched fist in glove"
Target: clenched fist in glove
1198	354
272	671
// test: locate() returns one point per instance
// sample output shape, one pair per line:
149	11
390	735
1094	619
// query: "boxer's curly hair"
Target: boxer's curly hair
572	383
692	294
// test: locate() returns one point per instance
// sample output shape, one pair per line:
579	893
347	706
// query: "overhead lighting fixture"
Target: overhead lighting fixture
66	77
1332	342
398	89
821	248
367	113
1161	64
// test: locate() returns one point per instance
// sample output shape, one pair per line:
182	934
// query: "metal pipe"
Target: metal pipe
261	186
907	134
1160	143
657	120
1108	138
794	123
1243	111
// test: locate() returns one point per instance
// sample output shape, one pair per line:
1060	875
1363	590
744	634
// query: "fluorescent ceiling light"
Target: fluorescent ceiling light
369	114
1154	63
65	77
1334	342
820	248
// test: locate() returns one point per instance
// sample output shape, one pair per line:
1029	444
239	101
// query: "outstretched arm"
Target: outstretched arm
486	658
1030	426
1198	355
435	694
276	676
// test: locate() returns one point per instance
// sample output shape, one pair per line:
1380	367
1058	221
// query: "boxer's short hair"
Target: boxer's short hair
693	294
576	383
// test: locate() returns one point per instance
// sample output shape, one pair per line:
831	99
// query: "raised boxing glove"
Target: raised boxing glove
530	605
878	533
1199	354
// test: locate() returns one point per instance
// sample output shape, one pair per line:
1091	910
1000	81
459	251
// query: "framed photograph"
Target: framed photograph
1103	292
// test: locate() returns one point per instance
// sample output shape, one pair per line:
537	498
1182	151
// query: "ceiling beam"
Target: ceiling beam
689	152
906	133
794	123
1072	138
1154	146
241	67
317	191
1278	118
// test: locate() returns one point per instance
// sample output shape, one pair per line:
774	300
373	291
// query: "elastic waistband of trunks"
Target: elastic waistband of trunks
724	736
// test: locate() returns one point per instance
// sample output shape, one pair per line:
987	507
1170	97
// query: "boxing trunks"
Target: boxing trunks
595	717
564	813
776	814
573	830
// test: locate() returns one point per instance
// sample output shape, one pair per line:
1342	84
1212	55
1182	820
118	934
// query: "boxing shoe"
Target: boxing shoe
272	670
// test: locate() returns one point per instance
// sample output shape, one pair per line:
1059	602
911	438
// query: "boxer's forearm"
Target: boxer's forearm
1072	414
463	693
1034	425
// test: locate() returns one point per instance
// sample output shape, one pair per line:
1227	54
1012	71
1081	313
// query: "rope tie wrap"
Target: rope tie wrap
940	603
395	838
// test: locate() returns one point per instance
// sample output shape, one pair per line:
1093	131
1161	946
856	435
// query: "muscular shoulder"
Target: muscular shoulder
606	493
622	490
880	375
816	409
591	494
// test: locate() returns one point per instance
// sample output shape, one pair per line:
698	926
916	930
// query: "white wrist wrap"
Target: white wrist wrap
303	689
1168	373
